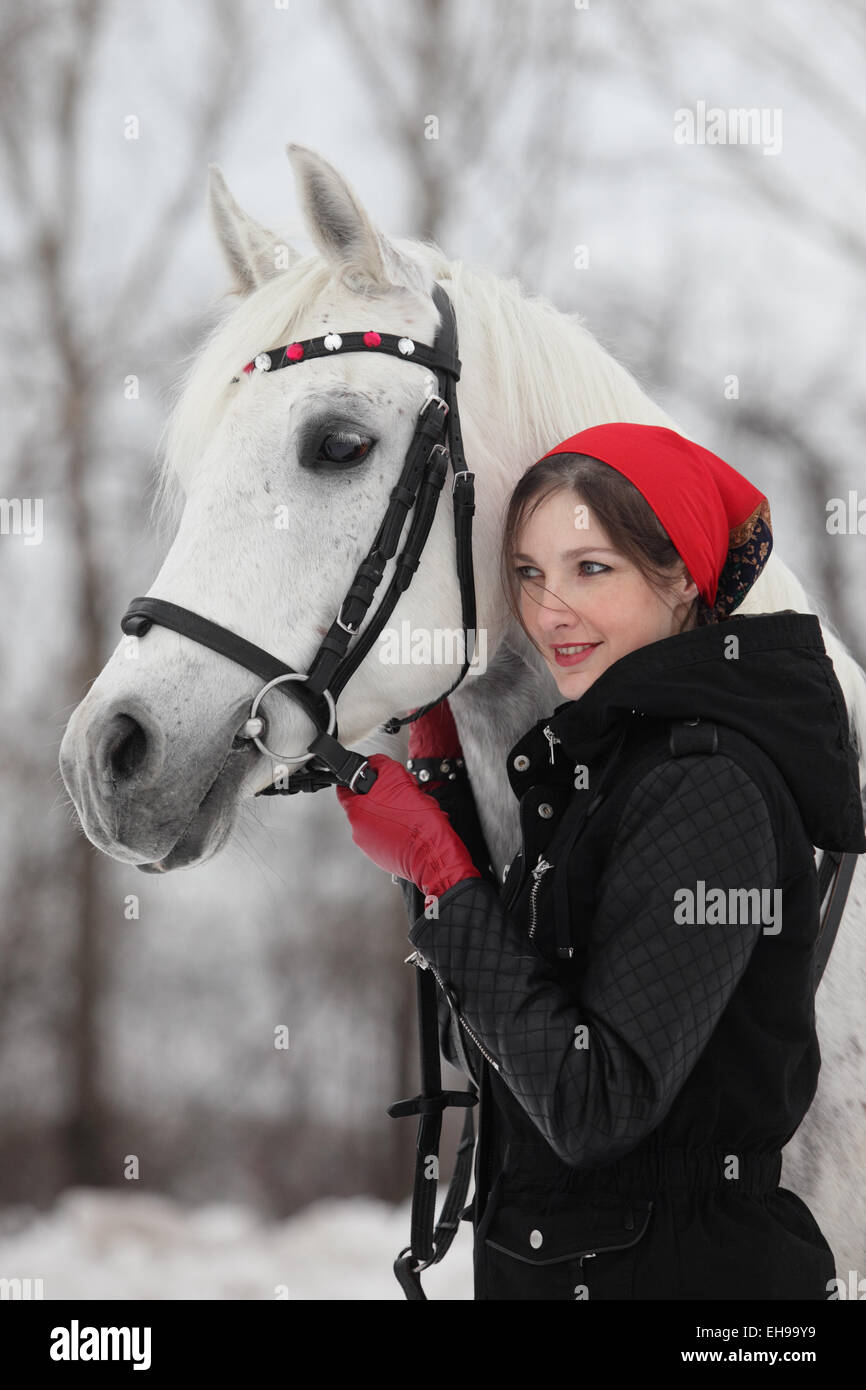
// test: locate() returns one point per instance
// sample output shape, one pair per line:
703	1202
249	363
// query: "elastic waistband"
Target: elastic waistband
701	1169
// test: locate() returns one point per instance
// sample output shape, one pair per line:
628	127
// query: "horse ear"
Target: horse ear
252	253
340	228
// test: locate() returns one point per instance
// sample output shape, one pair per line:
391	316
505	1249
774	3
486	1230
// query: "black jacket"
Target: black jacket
645	1046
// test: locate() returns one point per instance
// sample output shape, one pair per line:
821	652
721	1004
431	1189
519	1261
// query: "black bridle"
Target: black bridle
437	439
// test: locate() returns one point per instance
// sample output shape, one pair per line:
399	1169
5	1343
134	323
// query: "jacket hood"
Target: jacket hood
776	685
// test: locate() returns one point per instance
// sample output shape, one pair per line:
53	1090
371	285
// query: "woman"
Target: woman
637	1006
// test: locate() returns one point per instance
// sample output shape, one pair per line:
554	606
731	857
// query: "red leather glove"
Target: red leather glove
434	735
405	832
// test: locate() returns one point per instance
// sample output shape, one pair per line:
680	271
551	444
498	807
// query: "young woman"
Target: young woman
636	1002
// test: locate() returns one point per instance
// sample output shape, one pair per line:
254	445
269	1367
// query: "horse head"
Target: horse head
279	480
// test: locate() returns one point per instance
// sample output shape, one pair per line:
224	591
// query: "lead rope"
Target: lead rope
428	1243
428	1246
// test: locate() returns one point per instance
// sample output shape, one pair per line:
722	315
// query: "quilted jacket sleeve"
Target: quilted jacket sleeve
597	1068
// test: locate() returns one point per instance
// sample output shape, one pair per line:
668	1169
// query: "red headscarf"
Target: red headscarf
717	520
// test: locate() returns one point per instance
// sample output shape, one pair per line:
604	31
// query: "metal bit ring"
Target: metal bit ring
263	747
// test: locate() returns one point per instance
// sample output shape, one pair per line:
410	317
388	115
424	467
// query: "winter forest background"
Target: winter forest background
153	1035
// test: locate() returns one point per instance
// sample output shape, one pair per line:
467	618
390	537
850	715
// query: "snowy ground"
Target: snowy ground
96	1244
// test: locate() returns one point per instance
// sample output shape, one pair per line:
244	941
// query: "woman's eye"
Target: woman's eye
521	569
343	446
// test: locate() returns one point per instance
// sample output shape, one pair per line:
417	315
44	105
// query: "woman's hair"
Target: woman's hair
629	520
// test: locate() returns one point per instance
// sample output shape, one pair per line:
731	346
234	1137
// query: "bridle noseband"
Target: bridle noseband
437	439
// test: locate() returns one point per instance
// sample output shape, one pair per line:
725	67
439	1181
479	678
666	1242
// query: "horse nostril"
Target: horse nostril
126	749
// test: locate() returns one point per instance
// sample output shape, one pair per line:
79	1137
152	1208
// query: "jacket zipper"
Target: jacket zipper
417	959
537	873
552	738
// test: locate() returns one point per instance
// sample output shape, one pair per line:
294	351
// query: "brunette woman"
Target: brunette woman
636	1001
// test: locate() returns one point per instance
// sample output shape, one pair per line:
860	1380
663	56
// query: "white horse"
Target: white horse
151	756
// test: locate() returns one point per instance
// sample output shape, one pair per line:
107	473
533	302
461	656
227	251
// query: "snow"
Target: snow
98	1244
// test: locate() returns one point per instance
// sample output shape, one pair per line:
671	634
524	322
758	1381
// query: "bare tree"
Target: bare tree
472	101
799	424
49	64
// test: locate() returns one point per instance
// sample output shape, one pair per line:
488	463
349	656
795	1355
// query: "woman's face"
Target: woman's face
576	590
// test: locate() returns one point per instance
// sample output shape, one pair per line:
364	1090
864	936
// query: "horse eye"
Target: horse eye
343	447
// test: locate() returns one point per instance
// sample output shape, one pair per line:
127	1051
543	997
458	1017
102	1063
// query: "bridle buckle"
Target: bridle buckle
357	773
462	475
439	401
347	627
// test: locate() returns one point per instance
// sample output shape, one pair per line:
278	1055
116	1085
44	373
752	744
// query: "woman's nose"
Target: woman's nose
554	612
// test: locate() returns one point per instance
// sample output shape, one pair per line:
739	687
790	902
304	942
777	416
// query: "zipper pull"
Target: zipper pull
416	958
552	738
541	868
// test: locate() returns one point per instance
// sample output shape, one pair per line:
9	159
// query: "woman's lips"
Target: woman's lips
577	658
